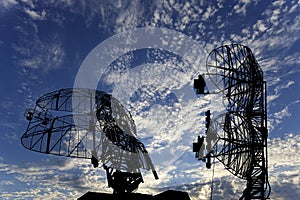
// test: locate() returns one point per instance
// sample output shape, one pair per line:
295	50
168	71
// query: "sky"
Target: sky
146	54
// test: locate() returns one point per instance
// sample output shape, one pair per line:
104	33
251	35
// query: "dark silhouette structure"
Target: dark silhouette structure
238	137
199	85
91	124
84	123
167	195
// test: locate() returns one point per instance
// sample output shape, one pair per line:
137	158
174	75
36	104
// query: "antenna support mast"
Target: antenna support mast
240	132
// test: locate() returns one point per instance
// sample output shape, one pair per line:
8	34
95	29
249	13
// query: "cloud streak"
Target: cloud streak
69	178
167	128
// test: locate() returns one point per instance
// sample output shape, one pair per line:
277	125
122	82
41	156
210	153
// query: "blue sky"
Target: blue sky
44	44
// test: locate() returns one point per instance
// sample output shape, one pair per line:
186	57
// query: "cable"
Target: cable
212	180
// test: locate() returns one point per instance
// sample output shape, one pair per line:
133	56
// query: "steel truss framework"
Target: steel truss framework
84	123
242	142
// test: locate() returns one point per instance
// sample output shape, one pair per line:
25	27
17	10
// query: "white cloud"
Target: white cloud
281	114
275	30
286	85
210	11
130	18
8	3
293	59
181	124
46	56
29	3
6	182
275	119
293	8
284	158
261	26
284	169
278	89
278	3
55	178
35	15
241	7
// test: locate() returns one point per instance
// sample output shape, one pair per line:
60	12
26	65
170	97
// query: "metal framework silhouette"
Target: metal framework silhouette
84	123
91	124
240	132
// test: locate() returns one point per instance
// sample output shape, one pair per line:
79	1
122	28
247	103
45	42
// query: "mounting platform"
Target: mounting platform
167	195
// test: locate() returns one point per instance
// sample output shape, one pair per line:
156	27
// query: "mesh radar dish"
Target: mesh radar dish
241	141
84	123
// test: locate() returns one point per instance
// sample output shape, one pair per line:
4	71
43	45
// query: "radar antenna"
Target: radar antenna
240	133
84	123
